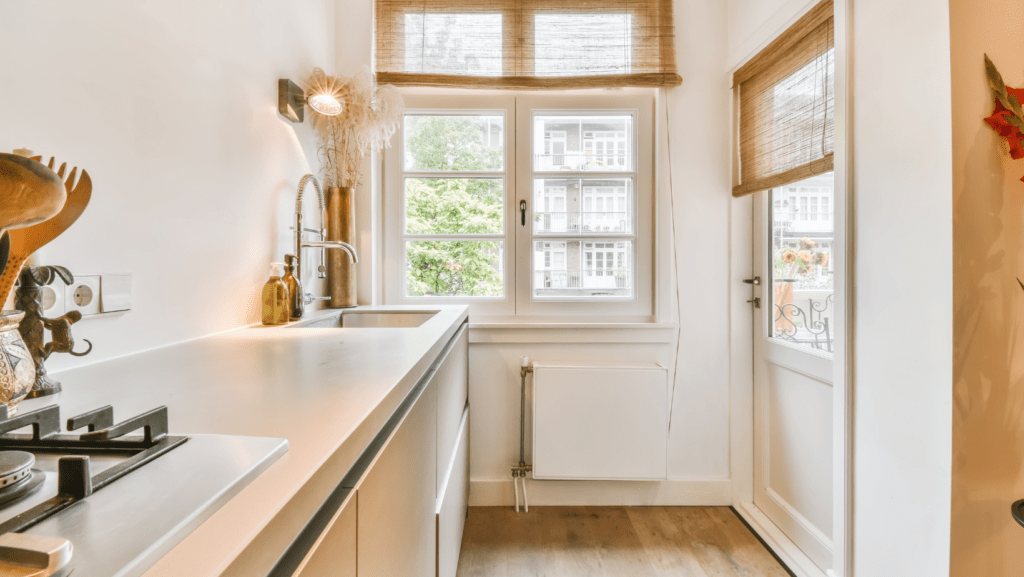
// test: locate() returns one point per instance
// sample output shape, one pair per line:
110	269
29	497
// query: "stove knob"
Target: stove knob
33	555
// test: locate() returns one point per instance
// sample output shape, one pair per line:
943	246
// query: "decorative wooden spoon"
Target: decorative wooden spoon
25	241
29	192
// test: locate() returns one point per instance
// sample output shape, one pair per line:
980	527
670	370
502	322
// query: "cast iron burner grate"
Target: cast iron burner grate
74	481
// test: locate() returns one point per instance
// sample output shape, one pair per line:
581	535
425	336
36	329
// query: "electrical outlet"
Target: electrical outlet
53	299
83	295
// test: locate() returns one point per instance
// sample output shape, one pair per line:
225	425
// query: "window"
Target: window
801	271
578	166
453	43
453	191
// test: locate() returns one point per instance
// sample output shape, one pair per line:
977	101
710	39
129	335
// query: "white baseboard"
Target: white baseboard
798	562
499	492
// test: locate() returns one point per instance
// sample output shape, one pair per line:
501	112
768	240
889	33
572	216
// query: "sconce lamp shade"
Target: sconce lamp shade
326	104
290	99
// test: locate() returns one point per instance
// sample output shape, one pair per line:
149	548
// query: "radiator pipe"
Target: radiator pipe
519	471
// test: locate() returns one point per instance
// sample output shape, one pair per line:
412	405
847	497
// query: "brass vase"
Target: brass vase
341	225
17	371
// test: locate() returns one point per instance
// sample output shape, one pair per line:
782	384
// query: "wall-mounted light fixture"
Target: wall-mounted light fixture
291	100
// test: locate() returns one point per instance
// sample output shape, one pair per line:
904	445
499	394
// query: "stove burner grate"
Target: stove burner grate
74	479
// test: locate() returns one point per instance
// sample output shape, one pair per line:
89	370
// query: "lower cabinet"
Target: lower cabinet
396	500
334	554
405	515
452	503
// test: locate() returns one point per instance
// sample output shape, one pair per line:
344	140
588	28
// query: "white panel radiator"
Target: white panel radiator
600	421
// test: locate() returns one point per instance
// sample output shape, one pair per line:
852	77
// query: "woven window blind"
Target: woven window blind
786	106
534	44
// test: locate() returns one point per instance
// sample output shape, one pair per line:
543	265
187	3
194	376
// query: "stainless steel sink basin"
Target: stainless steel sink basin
369	319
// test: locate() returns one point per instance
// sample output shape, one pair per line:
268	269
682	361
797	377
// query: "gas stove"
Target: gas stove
106	500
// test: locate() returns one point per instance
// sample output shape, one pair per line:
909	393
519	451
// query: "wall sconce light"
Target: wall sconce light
291	100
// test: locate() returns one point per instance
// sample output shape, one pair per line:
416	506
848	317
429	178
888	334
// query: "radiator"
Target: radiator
600	421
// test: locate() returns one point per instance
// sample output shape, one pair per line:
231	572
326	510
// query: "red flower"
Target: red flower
998	121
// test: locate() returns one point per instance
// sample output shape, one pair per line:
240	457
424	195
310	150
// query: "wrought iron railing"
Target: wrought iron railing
581	222
794	221
581	161
808	325
582	278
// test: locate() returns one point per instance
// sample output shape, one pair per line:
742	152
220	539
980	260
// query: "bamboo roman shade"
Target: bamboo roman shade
786	101
542	44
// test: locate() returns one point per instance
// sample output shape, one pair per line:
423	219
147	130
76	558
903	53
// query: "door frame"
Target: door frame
742	319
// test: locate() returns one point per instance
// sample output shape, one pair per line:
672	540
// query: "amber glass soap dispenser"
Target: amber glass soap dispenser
294	287
276	304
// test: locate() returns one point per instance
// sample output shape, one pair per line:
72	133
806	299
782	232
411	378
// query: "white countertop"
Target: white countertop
327	391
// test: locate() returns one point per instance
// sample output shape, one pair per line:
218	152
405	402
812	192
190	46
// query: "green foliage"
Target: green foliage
452	206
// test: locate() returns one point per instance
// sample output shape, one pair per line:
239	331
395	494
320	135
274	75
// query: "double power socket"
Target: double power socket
88	294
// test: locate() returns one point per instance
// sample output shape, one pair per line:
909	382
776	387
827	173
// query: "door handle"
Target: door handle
755	281
756	302
522	211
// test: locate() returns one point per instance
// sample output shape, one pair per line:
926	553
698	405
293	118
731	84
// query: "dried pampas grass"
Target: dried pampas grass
370	117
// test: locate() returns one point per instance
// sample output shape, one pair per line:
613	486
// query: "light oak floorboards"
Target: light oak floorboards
613	542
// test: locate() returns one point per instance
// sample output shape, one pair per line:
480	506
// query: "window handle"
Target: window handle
522	211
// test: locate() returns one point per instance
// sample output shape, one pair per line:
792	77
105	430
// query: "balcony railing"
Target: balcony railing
582	279
805	322
578	161
796	221
581	222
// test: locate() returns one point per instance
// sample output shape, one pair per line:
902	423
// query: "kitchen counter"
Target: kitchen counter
328	391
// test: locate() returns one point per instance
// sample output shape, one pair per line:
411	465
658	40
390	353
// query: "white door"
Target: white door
793	342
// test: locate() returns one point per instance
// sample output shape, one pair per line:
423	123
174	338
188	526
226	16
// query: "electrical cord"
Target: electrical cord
675	259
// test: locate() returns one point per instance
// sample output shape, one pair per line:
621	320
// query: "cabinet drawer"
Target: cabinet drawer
452	380
334	553
452	503
396	498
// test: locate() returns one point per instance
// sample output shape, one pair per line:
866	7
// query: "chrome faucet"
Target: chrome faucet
323	244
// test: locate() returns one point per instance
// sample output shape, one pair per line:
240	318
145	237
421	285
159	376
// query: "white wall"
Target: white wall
354	49
752	24
172	108
903	292
698	453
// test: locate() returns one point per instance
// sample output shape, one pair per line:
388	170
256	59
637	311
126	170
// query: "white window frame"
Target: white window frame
395	237
518	299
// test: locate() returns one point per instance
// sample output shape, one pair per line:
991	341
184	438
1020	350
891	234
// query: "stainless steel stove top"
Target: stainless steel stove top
134	499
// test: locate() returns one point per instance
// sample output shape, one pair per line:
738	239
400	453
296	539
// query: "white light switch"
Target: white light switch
115	292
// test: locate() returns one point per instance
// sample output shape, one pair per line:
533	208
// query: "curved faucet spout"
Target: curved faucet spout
333	244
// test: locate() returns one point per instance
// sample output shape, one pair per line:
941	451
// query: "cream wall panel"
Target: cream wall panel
988	387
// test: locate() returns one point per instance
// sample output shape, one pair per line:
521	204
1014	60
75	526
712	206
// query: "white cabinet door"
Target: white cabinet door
452	502
452	379
334	554
397	497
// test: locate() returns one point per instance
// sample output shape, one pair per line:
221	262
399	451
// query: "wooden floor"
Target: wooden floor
612	541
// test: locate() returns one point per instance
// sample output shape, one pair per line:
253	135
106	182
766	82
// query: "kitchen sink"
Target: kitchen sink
369	319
